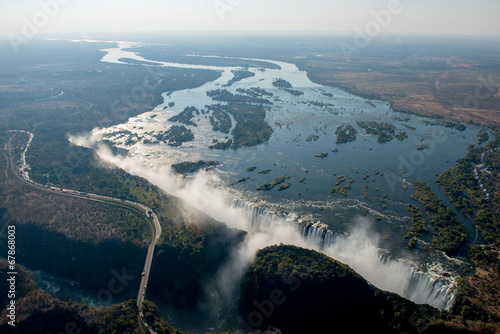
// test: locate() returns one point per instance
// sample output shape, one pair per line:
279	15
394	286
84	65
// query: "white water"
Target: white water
360	250
204	192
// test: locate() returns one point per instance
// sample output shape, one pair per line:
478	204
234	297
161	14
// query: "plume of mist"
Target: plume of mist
360	251
88	140
203	192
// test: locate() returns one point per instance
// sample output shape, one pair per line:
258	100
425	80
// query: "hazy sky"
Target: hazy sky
420	16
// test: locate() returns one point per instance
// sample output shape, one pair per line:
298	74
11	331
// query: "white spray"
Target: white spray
360	250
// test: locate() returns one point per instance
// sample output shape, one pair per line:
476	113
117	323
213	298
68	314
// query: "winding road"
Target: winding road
154	224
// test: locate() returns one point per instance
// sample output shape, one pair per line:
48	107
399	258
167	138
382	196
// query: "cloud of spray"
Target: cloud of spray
229	276
203	192
88	140
360	251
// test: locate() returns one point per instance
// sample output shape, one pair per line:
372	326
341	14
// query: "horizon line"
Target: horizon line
263	33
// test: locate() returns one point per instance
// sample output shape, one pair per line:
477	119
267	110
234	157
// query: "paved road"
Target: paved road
155	237
154	223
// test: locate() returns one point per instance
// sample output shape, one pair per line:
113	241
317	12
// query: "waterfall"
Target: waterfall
360	252
260	219
423	288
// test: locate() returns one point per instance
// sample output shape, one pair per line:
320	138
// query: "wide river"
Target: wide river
303	126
